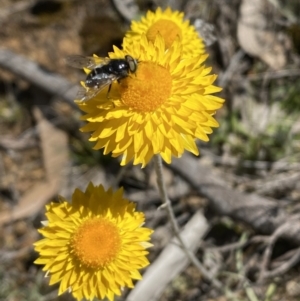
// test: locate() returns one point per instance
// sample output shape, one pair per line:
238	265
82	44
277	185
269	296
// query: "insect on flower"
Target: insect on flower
104	71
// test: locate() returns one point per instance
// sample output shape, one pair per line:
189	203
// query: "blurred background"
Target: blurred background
251	209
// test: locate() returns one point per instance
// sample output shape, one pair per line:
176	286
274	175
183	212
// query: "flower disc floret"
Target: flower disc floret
161	109
149	89
170	25
94	246
96	243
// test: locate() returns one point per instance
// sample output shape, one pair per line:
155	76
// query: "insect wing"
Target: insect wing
90	62
85	94
206	31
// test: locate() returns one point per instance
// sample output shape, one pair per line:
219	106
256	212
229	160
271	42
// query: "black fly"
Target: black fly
104	72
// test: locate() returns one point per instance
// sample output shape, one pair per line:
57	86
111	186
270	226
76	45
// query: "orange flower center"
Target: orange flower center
148	88
167	29
96	243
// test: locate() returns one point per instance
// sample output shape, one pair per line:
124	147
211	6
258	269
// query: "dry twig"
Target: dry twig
262	214
35	74
286	266
240	244
171	261
167	204
280	232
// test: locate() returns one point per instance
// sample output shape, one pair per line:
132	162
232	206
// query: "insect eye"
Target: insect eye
131	62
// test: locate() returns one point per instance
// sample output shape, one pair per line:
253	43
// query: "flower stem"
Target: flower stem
167	204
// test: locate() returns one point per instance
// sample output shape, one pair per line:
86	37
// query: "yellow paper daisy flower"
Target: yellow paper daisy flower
95	245
161	109
170	25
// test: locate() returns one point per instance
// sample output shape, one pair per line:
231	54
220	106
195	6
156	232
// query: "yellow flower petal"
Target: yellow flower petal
161	109
171	26
103	252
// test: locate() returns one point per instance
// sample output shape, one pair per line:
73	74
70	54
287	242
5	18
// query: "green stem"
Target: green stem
167	204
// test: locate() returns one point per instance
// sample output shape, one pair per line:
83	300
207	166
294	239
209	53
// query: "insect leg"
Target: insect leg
107	95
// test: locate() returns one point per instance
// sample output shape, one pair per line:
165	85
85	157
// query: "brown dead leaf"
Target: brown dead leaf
257	35
55	156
